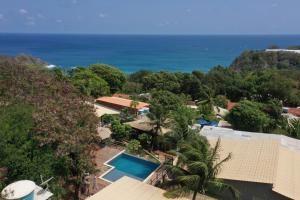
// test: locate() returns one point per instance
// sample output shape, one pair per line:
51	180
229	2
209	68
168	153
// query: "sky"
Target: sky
150	16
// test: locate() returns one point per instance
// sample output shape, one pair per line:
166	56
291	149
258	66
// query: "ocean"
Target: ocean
131	53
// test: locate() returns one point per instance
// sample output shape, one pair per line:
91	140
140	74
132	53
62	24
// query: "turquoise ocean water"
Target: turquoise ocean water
134	52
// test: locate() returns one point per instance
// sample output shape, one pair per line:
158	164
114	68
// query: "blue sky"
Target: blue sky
151	16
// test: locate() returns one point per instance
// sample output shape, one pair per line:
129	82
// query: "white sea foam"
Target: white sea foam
50	66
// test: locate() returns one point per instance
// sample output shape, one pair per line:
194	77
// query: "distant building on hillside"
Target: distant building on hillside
120	103
283	50
263	166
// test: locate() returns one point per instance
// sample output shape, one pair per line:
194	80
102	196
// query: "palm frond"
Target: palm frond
216	186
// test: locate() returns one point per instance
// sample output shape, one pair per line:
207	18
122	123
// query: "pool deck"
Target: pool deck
100	156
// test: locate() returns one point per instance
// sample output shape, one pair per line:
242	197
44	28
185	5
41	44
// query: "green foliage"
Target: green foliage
107	119
132	88
166	99
182	119
63	125
247	116
251	60
134	147
19	151
113	76
145	139
294	129
162	81
89	83
120	131
273	108
126	115
221	101
196	170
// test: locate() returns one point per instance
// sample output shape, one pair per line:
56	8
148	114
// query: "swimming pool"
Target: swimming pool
127	165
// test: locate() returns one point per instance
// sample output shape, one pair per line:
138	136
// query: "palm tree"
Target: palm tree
181	121
196	170
294	128
158	117
134	105
206	105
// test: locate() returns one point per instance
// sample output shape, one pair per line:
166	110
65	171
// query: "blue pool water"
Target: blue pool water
127	165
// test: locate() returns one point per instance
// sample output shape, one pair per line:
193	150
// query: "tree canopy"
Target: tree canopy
247	116
113	76
89	83
56	125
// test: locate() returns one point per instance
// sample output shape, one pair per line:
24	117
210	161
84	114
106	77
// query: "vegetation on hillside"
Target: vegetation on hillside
252	60
46	129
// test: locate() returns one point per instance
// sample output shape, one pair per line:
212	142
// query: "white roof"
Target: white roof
18	190
130	189
259	157
227	133
101	110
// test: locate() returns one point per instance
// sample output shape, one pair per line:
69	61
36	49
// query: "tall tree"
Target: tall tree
196	170
158	118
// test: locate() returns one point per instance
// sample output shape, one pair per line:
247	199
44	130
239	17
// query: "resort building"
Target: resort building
119	104
128	188
263	166
144	124
101	110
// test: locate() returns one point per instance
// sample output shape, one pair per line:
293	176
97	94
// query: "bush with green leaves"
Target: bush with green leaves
221	101
134	147
89	83
107	119
145	139
248	116
120	131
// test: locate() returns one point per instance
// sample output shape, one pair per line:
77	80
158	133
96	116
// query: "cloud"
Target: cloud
59	21
102	15
23	11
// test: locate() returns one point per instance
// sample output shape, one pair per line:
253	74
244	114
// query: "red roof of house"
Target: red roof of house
121	102
121	95
294	111
230	105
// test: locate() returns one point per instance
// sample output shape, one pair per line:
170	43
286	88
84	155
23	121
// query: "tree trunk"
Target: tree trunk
154	138
195	195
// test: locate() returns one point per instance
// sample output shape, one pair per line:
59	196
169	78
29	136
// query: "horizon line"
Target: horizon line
156	34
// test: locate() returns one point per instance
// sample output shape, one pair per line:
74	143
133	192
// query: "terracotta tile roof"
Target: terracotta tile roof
230	105
121	102
294	111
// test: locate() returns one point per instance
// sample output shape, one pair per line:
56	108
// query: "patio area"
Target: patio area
101	155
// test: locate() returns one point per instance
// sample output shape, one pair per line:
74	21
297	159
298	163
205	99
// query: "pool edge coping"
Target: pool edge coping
113	167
